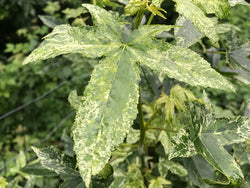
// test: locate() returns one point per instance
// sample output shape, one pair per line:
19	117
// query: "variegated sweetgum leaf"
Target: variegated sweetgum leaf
183	65
218	7
56	161
105	36
108	111
192	12
207	137
132	178
109	106
166	165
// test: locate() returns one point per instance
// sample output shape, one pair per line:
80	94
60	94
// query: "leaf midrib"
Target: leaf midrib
105	105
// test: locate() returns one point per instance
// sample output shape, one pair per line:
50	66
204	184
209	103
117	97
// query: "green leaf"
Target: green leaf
3	183
91	42
38	169
132	178
50	21
218	7
235	2
182	145
108	111
183	65
157	3
134	6
158	183
55	161
156	10
205	25
74	99
145	35
188	34
198	170
73	13
165	140
118	182
241	56
166	165
209	138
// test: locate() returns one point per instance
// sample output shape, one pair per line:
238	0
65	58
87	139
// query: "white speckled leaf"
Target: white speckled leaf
209	142
145	35
91	42
205	25
218	7
108	111
235	2
55	161
183	65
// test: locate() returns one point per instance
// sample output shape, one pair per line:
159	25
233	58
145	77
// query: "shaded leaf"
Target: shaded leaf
188	34
118	182
55	161
205	25
38	169
50	21
198	169
166	165
209	137
241	56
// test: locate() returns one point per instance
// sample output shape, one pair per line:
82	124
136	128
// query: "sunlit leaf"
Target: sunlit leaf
183	65
109	108
218	7
158	183
166	165
235	2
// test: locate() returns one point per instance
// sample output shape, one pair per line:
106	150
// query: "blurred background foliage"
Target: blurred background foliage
34	98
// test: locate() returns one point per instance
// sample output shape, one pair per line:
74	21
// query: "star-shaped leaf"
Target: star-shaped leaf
109	106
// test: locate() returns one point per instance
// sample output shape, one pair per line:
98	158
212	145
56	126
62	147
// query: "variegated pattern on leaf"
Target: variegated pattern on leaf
192	12
218	7
105	36
208	138
109	108
183	65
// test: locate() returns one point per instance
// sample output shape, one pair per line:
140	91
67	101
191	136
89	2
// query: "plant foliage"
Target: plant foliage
106	114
